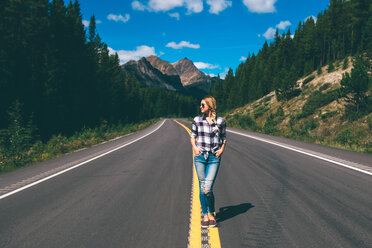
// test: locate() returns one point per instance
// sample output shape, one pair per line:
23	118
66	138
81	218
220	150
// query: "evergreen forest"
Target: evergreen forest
344	29
58	80
61	76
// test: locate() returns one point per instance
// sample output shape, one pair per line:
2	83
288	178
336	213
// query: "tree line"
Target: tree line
56	77
344	29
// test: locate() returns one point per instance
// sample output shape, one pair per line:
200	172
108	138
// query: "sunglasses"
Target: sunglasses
202	105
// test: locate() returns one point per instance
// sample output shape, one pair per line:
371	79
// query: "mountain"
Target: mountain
181	76
192	79
189	74
162	65
148	75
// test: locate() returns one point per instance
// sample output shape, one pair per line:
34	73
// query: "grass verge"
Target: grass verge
59	145
353	136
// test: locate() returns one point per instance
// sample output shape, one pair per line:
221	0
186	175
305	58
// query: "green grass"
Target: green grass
346	136
241	121
266	99
58	144
259	111
317	100
349	138
308	80
328	115
324	86
369	120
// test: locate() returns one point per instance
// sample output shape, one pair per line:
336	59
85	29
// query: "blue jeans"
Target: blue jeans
207	170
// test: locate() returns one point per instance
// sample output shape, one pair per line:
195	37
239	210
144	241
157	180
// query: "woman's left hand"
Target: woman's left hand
219	153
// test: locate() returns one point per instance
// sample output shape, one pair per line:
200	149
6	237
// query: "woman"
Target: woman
208	140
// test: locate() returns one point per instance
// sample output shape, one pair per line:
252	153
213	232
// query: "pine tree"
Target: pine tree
331	67
308	45
218	92
19	137
367	34
345	63
226	89
356	84
319	70
277	37
94	41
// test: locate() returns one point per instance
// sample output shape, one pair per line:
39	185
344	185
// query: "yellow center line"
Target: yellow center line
195	218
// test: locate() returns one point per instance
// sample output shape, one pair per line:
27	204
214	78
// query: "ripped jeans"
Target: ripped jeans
207	170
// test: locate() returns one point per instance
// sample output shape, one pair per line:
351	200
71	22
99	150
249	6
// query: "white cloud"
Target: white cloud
260	6
141	51
86	22
118	18
312	17
182	44
216	6
292	36
242	58
269	34
202	65
193	6
161	53
164	5
224	73
212	75
283	24
175	15
138	6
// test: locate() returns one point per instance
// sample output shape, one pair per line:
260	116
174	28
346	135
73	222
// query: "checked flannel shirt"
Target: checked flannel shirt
208	139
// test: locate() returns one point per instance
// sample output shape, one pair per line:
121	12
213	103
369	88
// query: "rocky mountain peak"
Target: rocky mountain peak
145	66
188	72
162	65
148	75
181	76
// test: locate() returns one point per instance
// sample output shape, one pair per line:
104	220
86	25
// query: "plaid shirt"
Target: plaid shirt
208	139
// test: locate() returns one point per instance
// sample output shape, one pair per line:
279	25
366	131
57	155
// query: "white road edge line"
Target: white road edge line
75	166
306	153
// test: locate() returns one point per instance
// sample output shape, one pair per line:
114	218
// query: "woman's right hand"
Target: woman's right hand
197	151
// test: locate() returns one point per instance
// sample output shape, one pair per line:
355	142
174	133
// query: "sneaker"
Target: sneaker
212	219
204	223
212	223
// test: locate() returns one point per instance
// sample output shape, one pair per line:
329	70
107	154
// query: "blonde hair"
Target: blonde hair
211	103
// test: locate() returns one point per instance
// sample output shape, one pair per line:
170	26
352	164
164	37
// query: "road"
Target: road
139	196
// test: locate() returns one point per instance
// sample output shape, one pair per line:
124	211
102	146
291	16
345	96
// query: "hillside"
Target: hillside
317	115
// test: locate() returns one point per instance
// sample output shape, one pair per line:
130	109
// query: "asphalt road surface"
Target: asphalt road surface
139	196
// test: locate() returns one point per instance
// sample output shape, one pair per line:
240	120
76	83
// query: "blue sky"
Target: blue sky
214	34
